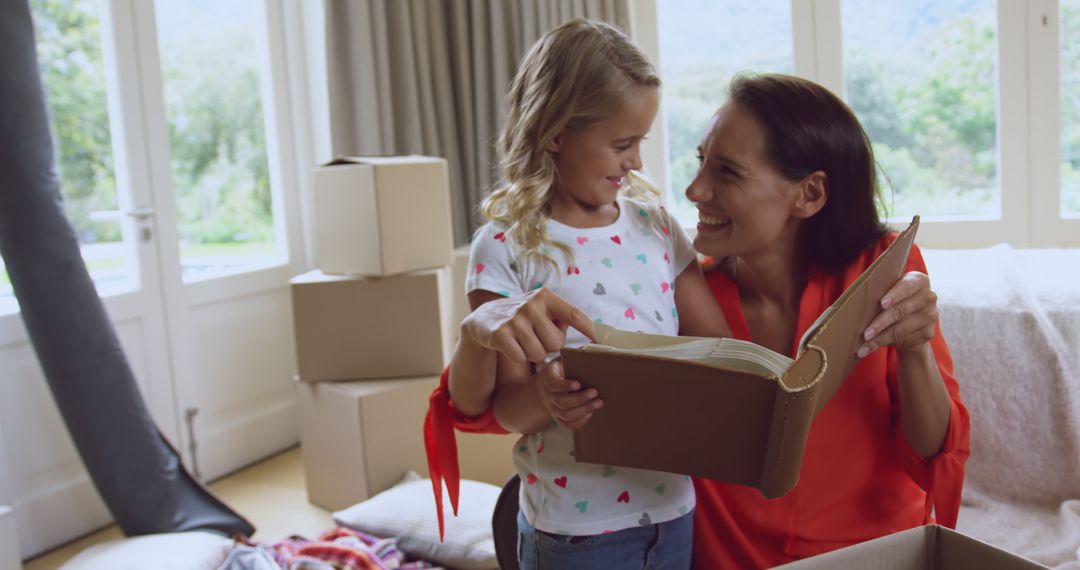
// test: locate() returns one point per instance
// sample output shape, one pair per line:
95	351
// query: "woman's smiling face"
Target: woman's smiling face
744	203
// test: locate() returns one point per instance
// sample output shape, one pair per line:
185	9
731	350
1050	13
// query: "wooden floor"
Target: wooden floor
270	494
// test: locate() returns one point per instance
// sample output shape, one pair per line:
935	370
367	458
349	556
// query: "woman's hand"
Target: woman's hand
567	403
908	318
525	328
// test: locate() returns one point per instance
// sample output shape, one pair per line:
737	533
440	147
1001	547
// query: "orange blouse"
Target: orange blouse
859	478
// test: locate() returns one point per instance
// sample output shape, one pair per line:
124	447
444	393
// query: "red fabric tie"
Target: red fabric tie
441	445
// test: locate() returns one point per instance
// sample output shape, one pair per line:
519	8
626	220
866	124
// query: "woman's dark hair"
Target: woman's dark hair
807	129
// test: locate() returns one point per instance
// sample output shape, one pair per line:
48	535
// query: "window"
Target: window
1070	107
971	105
210	60
696	64
921	78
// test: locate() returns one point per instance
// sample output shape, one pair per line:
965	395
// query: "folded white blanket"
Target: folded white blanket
1012	321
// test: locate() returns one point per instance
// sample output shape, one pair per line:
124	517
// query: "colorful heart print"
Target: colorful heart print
607	262
599	289
561	481
629	313
501	236
582	506
479	268
664	287
582	240
636	288
624	497
617	240
641	257
530	479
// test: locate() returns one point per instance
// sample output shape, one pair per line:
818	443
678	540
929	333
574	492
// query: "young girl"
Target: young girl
573	216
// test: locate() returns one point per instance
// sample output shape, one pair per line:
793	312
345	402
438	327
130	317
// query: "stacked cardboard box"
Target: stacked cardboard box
375	325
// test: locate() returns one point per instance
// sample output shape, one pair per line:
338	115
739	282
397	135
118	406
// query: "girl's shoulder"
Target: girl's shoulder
641	206
487	230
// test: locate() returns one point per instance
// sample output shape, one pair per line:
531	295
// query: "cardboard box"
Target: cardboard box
461	302
382	215
929	547
486	457
9	541
352	328
359	438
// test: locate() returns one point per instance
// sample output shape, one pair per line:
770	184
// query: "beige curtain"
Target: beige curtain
429	77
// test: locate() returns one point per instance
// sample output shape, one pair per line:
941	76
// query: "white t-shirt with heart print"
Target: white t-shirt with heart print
622	275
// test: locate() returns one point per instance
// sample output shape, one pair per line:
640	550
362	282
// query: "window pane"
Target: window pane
1070	107
921	76
69	54
698	60
210	67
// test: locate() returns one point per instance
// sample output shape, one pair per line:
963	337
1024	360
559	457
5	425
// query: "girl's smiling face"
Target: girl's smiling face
592	162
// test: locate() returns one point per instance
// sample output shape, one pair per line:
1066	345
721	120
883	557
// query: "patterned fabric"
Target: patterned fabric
336	549
622	275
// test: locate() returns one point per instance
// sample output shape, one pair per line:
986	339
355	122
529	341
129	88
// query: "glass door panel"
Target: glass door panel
697	63
211	63
69	51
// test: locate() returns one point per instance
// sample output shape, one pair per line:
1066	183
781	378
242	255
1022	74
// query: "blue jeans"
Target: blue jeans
664	545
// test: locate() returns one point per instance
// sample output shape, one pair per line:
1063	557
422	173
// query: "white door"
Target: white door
215	87
186	212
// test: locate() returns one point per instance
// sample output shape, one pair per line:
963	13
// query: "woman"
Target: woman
786	197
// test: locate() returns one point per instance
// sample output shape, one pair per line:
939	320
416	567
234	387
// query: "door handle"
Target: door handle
141	213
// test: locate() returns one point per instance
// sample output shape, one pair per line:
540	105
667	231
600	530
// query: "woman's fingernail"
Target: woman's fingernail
863	351
591	394
575	386
886	302
869	334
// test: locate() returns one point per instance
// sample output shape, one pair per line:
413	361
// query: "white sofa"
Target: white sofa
1012	320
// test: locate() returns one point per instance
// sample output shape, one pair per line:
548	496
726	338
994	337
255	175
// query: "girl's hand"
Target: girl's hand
908	319
525	328
568	404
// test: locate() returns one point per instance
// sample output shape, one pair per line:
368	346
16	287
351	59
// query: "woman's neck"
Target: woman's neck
775	276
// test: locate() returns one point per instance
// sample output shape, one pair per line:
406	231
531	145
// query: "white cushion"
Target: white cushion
407	511
179	550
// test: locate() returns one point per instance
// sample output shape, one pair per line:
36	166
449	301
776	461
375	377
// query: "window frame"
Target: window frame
1029	135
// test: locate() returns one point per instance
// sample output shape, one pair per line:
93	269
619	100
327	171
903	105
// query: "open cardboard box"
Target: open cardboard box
930	547
382	215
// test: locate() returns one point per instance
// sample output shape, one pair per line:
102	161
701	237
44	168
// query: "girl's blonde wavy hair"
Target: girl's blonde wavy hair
576	75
